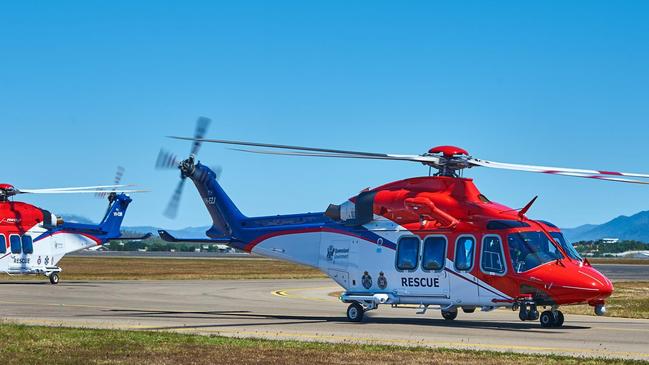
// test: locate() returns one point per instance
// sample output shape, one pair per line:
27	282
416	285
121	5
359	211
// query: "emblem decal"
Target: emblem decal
367	280
382	282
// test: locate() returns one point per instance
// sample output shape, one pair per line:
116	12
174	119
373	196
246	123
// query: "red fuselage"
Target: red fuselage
539	262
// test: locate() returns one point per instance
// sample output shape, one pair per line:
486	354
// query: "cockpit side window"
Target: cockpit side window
531	249
3	244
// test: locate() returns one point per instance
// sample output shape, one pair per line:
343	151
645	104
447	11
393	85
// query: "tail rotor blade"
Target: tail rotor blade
201	128
172	208
119	174
218	170
166	160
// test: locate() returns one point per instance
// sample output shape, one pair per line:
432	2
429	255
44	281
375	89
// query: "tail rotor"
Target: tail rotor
167	160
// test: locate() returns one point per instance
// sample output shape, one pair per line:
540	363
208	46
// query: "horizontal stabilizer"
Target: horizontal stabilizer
166	236
132	238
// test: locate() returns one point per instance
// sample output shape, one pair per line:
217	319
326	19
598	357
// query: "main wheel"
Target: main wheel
558	319
449	316
54	278
547	319
468	310
355	312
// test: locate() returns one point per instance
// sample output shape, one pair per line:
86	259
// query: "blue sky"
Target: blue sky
86	86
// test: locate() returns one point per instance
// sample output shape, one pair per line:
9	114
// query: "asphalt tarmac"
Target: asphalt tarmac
303	310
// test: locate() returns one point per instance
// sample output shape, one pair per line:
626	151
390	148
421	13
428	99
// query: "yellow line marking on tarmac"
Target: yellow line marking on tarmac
289	293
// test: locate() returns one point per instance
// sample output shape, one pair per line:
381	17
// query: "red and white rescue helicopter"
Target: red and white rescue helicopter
428	241
33	240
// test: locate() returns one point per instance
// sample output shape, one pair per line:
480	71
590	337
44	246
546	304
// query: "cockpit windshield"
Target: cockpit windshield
567	246
531	249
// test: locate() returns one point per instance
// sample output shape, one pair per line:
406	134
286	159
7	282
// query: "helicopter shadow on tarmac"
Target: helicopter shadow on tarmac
278	319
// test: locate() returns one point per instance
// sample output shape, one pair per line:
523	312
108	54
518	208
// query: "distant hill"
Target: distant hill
189	232
635	227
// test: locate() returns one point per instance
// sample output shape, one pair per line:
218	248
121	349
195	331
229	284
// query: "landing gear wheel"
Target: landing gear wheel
355	312
54	278
558	319
523	315
449	316
547	319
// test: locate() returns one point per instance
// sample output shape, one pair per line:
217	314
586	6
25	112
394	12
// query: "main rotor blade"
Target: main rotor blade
414	158
201	128
172	208
559	170
81	188
338	153
28	191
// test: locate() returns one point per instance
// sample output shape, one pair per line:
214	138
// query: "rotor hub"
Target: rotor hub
7	190
187	167
451	160
448	151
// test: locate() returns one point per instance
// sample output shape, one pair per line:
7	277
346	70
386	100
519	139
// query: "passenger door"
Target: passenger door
20	259
492	264
464	285
420	267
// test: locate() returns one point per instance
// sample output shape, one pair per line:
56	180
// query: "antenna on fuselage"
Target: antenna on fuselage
527	207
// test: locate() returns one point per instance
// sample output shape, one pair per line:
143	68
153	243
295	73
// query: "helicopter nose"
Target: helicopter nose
598	281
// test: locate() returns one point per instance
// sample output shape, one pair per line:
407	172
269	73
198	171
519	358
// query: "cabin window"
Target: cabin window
408	253
28	244
3	244
16	245
531	249
492	261
464	252
434	253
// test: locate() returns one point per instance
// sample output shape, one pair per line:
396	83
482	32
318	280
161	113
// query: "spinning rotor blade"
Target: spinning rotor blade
201	128
448	164
414	158
118	178
583	173
83	189
166	160
326	152
172	208
218	170
29	191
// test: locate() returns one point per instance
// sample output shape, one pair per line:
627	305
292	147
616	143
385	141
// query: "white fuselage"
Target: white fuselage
363	267
46	249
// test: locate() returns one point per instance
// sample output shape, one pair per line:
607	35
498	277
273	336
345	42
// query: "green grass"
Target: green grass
120	268
46	345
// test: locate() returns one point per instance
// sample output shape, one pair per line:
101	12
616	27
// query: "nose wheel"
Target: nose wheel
551	319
